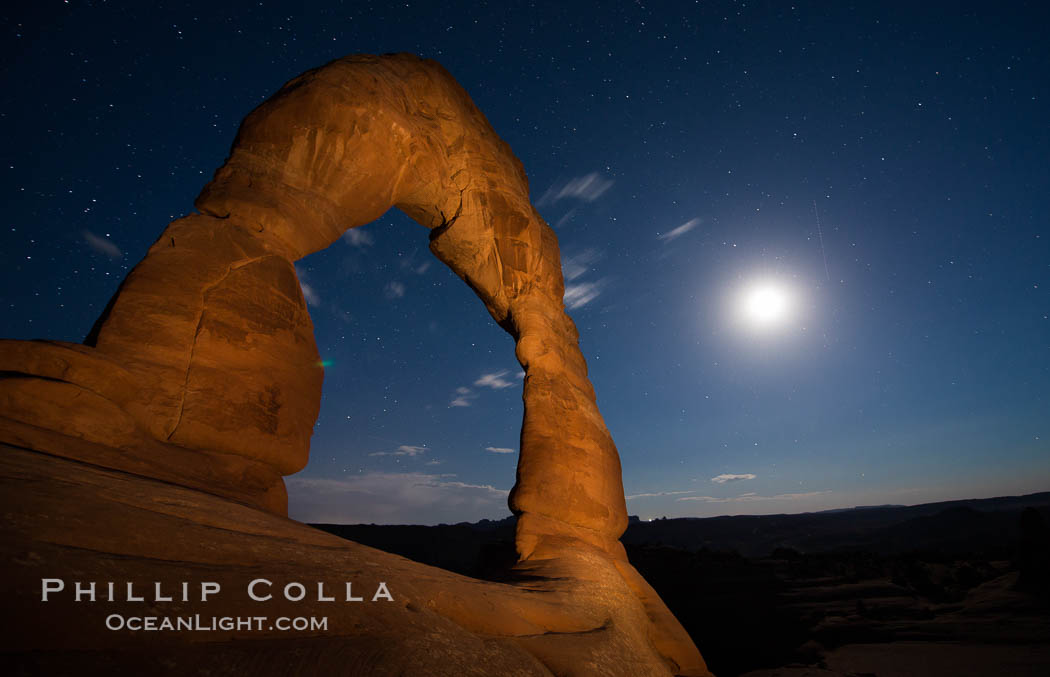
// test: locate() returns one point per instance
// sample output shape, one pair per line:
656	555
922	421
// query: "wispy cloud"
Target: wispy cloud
102	245
394	290
678	232
565	218
576	265
577	295
494	381
403	450
497	380
588	188
500	450
727	477
464	397
418	267
578	292
358	237
751	497
393	498
658	493
309	293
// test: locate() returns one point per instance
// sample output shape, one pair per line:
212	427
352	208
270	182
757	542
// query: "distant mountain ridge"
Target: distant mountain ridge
948	525
481	548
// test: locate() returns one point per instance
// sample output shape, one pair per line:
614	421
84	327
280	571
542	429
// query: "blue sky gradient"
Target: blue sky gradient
681	153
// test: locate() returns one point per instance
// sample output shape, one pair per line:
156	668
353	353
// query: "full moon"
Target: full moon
766	305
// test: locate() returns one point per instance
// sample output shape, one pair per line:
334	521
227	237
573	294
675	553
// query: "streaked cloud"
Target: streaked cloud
311	296
393	498
576	265
678	232
577	295
752	497
403	450
464	397
588	188
728	477
497	380
102	245
309	293
565	218
409	263
500	450
579	292
658	493
358	237
494	381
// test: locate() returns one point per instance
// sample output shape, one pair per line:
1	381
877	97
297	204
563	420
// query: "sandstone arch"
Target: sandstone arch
203	370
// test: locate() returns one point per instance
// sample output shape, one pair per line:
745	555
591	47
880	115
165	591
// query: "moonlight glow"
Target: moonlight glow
766	305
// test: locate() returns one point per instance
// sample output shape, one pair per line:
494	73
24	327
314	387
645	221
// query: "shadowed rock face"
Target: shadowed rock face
203	370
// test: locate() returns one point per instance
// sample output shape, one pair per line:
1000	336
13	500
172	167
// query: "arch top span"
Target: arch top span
339	145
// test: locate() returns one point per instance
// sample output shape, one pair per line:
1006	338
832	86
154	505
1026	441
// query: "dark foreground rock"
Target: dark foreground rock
70	521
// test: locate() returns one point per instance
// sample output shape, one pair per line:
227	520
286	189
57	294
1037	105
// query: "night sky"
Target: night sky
883	166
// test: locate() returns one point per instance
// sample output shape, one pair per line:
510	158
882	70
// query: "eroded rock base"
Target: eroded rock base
69	520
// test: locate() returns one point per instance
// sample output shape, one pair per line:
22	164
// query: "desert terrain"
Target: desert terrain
959	588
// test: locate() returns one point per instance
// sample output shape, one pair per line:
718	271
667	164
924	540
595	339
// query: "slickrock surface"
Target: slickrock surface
203	374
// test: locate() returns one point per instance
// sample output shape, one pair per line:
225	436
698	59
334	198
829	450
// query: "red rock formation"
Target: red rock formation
203	370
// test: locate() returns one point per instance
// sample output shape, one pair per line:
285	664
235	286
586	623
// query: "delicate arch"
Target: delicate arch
203	369
335	148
